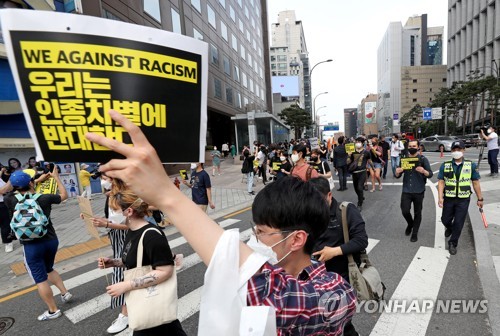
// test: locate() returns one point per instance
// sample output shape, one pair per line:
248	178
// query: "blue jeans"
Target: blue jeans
493	161
394	164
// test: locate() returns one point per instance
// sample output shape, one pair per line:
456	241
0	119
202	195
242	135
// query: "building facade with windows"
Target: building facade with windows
350	122
473	46
237	36
413	44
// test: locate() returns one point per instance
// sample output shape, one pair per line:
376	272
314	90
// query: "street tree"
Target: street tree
297	118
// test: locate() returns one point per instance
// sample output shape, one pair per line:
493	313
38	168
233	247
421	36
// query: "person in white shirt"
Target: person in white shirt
492	143
396	148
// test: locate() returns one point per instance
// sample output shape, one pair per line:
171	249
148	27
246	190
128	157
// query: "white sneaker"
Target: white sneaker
178	260
120	324
66	297
9	247
48	316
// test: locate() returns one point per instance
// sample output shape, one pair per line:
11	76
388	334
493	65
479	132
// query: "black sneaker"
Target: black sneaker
408	230
447	232
452	249
251	193
414	237
365	187
360	208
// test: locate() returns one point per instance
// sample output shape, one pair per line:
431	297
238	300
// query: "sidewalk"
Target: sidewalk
228	192
487	244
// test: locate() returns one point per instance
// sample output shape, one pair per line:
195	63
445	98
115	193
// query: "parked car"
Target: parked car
436	142
473	140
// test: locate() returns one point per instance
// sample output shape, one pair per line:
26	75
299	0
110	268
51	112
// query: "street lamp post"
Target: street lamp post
314	105
310	81
315	129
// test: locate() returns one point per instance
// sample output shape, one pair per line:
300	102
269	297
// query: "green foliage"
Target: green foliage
297	118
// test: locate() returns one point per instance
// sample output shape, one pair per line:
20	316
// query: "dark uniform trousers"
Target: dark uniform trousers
454	212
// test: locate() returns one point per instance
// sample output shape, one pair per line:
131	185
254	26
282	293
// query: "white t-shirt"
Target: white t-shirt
225	148
396	148
493	141
2	183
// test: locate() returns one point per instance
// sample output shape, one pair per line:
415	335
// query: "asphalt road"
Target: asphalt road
412	271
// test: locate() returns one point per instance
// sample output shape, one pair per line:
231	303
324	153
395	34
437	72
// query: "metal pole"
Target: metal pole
446	120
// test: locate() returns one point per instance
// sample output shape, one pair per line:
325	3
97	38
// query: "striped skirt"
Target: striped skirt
117	239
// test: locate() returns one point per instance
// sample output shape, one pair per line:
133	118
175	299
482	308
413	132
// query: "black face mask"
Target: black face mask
412	151
314	158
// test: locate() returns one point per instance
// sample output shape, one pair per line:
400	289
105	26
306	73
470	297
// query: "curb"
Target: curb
486	268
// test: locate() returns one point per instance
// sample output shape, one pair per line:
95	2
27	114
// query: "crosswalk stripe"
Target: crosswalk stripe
421	281
82	279
439	239
371	244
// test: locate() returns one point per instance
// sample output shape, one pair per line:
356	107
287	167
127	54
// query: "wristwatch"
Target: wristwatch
480	200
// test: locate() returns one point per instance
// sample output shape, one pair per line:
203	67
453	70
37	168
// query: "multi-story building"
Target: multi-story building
350	122
368	115
413	44
237	36
473	43
289	56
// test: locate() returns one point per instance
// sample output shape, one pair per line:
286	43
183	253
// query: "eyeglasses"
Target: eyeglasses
258	234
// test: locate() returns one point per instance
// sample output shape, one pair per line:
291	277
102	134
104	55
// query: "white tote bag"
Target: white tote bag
152	306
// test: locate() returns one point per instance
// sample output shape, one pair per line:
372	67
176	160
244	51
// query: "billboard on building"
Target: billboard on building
370	112
288	86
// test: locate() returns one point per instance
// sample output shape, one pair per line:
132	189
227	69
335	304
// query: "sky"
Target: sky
349	32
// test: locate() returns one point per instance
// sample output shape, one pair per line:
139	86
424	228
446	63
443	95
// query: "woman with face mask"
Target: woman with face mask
114	222
156	251
357	167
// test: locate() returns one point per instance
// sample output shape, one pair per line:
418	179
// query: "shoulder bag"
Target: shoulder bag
364	278
330	179
152	306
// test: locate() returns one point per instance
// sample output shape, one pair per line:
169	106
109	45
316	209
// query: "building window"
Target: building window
255	66
229	95
152	7
247	14
238	100
414	100
250	59
245	102
262	94
218	88
240	25
211	17
244	79
282	66
223	30
444	80
414	90
282	58
254	44
251	85
243	52
259	51
239	3
414	81
232	13
234	43
227	65
252	22
197	35
412	50
236	72
215	54
258	31
108	15
222	3
196	4
430	80
273	66
430	90
248	35
176	22
273	58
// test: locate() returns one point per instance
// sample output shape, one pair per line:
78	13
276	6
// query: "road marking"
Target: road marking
435	163
371	244
237	212
421	281
439	239
83	279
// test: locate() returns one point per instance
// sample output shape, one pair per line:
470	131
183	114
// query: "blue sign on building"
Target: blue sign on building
331	128
395	116
427	113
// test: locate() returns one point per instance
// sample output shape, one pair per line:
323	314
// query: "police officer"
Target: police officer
454	190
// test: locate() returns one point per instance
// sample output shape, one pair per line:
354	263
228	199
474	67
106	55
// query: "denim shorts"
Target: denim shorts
39	258
377	165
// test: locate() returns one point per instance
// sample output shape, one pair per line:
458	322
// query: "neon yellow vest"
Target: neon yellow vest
460	187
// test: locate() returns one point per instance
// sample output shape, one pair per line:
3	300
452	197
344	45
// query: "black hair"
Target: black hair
321	185
360	139
415	140
300	148
18	162
292	204
341	140
396	136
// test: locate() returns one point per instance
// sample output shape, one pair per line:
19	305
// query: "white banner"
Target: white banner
437	113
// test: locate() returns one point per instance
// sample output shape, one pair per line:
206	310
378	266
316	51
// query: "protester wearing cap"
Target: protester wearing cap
84	177
39	253
491	138
454	190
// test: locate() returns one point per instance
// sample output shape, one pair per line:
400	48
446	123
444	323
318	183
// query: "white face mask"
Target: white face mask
295	158
457	155
358	145
282	158
193	165
106	184
116	216
267	251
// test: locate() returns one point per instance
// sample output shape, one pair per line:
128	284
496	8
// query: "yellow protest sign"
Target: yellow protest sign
49	186
349	148
183	174
410	163
276	166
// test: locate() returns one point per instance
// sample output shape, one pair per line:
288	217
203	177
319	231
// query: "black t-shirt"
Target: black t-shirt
45	201
385	147
355	156
322	167
156	251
